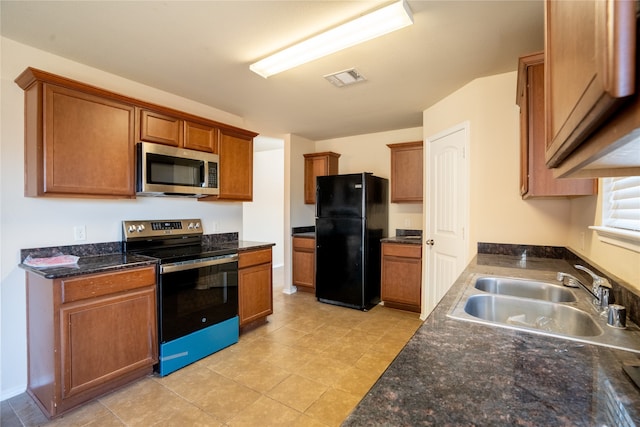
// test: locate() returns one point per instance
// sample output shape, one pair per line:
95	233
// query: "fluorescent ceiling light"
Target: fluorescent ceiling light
367	27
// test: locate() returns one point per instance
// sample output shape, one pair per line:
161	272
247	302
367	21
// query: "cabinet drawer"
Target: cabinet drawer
246	259
304	243
77	288
402	250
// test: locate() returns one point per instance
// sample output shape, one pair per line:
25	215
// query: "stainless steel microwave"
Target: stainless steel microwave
162	170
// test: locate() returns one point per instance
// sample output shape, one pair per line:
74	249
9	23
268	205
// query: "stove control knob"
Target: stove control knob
132	228
196	225
140	228
190	226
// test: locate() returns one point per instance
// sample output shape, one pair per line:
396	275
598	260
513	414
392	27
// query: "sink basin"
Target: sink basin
525	288
527	313
532	305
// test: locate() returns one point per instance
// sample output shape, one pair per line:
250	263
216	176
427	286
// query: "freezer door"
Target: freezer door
340	196
339	261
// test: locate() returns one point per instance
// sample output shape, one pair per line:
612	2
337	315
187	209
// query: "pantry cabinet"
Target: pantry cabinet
303	264
315	165
406	172
536	180
255	285
77	142
401	276
588	82
88	334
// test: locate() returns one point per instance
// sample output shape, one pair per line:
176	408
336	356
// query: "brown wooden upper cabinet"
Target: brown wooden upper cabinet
79	141
236	166
536	180
234	147
406	172
315	165
160	128
168	130
201	137
590	60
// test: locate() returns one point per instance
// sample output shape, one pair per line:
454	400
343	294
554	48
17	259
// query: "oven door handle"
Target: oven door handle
197	263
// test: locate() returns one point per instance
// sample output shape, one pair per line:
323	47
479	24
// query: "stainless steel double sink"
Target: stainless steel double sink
540	307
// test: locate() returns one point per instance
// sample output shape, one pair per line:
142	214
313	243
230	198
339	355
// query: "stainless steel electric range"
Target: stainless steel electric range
197	289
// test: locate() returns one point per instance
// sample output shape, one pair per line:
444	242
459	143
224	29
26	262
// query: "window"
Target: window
621	212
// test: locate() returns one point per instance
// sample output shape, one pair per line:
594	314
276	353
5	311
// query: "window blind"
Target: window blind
621	203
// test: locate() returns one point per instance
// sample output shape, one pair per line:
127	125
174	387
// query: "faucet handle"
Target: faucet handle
593	275
598	281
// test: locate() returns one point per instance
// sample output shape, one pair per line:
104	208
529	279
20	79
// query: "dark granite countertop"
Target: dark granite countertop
308	235
405	236
461	373
406	240
93	261
245	245
93	264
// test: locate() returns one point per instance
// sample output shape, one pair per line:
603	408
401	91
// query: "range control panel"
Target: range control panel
161	228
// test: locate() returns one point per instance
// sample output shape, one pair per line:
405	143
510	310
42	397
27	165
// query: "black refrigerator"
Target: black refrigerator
352	215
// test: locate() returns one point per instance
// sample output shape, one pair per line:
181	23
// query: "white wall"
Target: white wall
263	218
369	153
40	222
497	212
297	213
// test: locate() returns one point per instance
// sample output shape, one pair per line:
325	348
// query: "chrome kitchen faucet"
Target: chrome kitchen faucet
600	287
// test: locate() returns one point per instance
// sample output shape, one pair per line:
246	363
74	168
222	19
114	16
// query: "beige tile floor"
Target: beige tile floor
308	366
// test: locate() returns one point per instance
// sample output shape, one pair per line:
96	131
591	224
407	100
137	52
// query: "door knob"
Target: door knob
429	242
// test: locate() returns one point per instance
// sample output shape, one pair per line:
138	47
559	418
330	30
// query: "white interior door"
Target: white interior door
446	221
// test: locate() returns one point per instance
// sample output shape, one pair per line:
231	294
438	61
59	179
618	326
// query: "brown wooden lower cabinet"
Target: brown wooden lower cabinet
89	334
401	276
255	287
304	261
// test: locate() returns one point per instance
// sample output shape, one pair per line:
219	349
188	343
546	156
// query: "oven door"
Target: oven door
196	294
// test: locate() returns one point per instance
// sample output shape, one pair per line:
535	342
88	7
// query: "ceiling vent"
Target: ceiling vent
345	78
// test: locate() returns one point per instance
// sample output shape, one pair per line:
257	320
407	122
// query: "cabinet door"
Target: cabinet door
536	180
236	166
304	260
255	295
160	128
104	338
401	275
315	165
200	137
590	60
88	146
406	172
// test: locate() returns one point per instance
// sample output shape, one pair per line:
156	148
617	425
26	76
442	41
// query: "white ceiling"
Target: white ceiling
202	50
